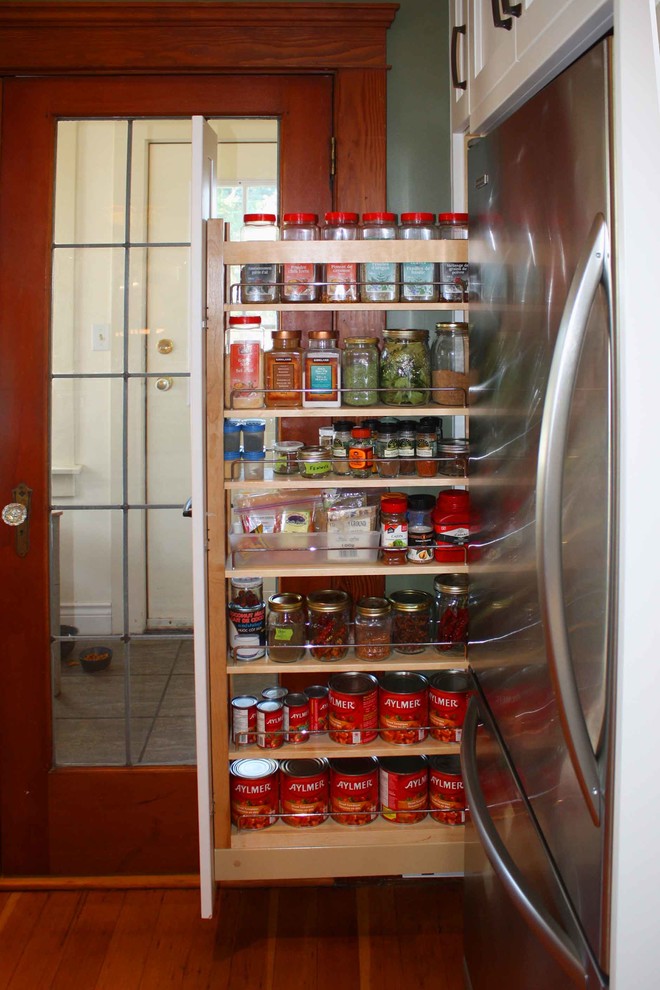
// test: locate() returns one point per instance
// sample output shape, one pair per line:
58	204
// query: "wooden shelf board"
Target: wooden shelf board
345	412
283	481
354	307
286	252
324	746
322	568
429	660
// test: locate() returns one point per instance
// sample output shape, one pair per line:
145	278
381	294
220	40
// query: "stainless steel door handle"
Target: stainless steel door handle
593	269
17	514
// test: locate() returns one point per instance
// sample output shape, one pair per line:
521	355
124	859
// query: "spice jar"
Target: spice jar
286	456
407	443
451	525
450	364
393	528
418	278
340	278
379	279
361	452
387	448
373	628
259	281
299	278
314	462
426	451
341	441
420	528
283	370
253	436
451	610
253	465
420	509
453	275
359	371
405	368
453	458
411	620
244	363
286	627
329	616
322	370
232	436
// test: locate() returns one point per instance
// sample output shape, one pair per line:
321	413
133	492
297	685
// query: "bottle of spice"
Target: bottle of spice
450	364
341	441
451	610
299	278
283	370
393	528
259	280
329	617
286	627
361	452
373	629
322	370
244	363
285	456
379	279
451	526
453	275
411	620
426	450
420	528
407	444
387	448
359	371
405	368
418	278
420	509
340	278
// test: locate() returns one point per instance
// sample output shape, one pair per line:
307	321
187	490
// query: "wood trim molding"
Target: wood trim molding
175	37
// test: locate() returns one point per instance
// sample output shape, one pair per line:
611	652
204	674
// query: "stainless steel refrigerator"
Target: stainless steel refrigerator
537	742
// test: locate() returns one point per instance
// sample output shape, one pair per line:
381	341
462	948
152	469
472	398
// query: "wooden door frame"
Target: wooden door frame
159	40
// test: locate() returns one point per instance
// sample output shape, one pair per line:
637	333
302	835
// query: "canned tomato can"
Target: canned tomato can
318	707
296	718
446	790
270	724
254	794
353	708
243	719
403	707
274	693
404	788
449	693
304	790
354	790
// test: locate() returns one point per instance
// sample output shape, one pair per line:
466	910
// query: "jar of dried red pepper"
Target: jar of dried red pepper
329	614
451	611
411	620
373	628
393	528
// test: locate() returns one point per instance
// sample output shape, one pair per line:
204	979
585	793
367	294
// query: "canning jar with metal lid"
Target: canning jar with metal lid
411	625
379	279
453	458
405	368
453	275
314	462
451	611
329	614
359	371
373	628
286	627
285	453
450	364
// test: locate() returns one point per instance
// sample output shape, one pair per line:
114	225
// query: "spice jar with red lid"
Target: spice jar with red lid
451	526
300	279
394	528
340	277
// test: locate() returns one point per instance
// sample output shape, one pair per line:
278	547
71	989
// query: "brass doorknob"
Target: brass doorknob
164	384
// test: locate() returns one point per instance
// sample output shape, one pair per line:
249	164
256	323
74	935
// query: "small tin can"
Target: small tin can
403	707
446	790
296	718
404	788
243	719
270	724
275	693
304	789
318	707
254	793
354	790
353	708
449	693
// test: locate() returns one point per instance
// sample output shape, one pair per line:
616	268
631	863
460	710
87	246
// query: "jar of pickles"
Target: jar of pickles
405	368
329	613
411	620
373	628
286	627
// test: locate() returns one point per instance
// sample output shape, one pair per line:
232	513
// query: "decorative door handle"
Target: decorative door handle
456	82
498	20
515	9
164	384
17	514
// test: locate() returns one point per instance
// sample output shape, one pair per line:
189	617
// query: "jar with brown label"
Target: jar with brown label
283	370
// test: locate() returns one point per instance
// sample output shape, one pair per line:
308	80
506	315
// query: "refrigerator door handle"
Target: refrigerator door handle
592	271
543	925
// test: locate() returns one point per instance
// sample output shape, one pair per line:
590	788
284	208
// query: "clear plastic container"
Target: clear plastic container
359	371
379	279
244	363
259	280
322	370
418	278
453	275
340	278
299	278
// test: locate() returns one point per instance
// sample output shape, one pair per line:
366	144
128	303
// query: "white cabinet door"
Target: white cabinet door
552	33
492	52
459	68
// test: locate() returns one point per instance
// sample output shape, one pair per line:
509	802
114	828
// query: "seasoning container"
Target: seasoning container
405	368
286	627
246	631
247	591
253	436
259	281
341	441
404	788
354	790
446	790
300	278
253	465
353	708
270	724
243	719
451	610
403	707
359	371
318	707
393	528
283	370
329	617
449	693
244	363
450	364
411	626
420	510
361	453
453	275
420	544
314	462
387	448
453	458
322	370
426	449
379	279
254	793
451	526
418	278
296	718
304	792
373	628
407	443
286	456
340	278
232	436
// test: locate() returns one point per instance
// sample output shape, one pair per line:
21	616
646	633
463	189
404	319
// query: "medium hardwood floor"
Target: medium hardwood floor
363	936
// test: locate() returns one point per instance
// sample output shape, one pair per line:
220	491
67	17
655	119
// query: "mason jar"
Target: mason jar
359	371
329	613
405	368
286	627
451	611
450	364
373	628
411	620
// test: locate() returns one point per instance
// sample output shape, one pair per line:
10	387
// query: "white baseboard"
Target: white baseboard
90	618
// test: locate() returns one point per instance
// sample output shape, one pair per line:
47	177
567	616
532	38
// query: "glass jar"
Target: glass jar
322	370
247	591
411	620
285	459
359	371
387	448
340	278
286	627
418	278
341	441
393	528
314	462
299	278
379	279
450	364
426	450
244	363
453	458
283	370
361	452
259	281
373	629
407	439
453	275
451	611
329	617
405	368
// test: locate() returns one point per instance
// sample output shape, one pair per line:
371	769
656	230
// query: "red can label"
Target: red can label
353	718
254	803
447	713
447	797
318	714
404	796
244	720
304	800
354	797
403	717
296	722
270	724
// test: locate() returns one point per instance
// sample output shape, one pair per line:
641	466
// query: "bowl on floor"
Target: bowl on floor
95	658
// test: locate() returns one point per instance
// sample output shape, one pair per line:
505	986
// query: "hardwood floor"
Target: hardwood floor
367	936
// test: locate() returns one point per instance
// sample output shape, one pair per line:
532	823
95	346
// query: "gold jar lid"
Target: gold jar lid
451	584
454	327
328	601
313	454
373	606
410	601
362	341
285	601
406	335
323	335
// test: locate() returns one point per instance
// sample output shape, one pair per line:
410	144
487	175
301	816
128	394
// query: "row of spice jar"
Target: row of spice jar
355	708
333	282
404	373
303	793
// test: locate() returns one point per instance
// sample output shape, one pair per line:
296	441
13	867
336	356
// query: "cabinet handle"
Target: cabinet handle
515	9
456	82
498	20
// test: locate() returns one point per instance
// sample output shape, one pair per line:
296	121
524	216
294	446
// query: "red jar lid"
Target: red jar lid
360	433
337	218
369	217
393	503
300	218
452	499
266	217
244	321
418	218
452	217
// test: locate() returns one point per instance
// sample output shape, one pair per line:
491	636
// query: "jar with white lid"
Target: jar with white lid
259	279
244	363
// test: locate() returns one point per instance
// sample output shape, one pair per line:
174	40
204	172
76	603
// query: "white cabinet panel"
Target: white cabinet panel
492	52
459	55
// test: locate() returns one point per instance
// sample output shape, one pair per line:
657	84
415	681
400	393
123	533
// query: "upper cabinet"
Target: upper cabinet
459	68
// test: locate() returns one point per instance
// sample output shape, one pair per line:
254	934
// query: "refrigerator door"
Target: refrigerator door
540	640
